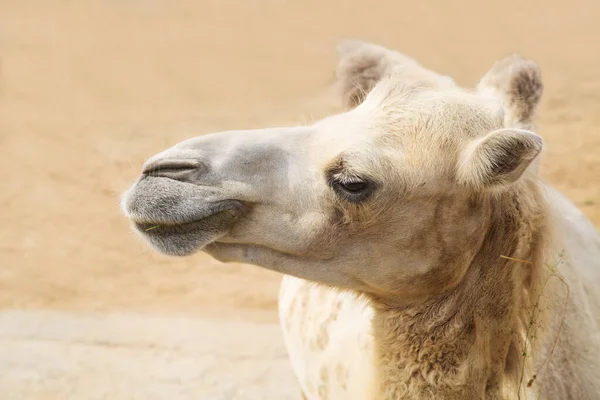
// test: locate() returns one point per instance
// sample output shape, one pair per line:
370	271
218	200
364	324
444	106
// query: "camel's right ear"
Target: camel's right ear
499	158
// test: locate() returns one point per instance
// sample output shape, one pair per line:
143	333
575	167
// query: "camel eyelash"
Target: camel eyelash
353	189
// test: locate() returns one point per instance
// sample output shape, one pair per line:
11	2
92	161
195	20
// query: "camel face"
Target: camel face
368	200
424	197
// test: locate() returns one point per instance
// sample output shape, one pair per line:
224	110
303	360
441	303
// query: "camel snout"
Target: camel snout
178	169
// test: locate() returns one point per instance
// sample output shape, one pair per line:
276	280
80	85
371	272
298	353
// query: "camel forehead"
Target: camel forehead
406	128
387	113
431	115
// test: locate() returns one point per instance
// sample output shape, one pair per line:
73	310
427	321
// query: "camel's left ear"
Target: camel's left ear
518	82
499	158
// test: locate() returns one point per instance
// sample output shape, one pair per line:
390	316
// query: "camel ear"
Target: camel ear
518	83
499	158
361	65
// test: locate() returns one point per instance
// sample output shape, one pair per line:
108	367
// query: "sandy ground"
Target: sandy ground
88	90
54	355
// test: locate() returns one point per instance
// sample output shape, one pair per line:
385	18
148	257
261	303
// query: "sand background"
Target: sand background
90	89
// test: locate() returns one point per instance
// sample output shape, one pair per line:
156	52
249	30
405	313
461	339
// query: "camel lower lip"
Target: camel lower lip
160	229
186	238
183	237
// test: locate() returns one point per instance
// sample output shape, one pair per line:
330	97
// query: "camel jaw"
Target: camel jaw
163	215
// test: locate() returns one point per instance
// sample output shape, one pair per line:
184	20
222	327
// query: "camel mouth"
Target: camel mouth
178	218
183	237
161	229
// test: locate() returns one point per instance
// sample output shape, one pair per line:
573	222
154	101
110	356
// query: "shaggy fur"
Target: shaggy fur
420	216
457	344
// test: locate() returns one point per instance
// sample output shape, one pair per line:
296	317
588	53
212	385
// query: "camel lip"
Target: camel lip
161	218
184	236
157	227
164	230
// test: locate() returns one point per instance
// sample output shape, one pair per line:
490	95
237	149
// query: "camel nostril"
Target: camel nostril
169	168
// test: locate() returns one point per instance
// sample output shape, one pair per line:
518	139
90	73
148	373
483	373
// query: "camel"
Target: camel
423	256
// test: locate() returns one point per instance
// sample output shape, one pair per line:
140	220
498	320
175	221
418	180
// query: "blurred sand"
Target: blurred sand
88	90
53	355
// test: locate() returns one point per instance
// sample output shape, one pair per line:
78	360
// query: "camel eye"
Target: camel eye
353	187
352	190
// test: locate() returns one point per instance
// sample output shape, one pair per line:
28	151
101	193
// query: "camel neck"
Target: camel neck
467	341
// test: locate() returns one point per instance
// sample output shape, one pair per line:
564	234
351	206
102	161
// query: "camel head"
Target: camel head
388	198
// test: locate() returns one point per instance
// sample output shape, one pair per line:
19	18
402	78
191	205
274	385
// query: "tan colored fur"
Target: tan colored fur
430	279
468	342
455	345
